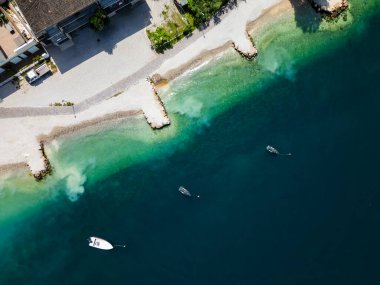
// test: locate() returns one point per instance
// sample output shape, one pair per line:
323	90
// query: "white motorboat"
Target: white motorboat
184	191
99	243
272	150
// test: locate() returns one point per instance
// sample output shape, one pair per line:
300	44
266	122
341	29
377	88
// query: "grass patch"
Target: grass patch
99	20
172	30
175	27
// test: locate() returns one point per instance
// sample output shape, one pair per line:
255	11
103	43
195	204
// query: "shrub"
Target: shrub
160	38
204	9
190	20
37	58
99	20
3	19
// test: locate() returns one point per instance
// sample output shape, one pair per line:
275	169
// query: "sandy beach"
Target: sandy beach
22	135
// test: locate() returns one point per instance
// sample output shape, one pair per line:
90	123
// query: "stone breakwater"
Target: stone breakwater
247	49
47	169
153	108
165	121
141	96
25	136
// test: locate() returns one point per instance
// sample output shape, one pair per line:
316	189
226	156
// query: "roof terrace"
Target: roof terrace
10	40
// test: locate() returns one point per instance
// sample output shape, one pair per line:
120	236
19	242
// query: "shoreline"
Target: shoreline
67	131
213	43
6	168
203	57
273	11
21	145
207	55
59	132
241	42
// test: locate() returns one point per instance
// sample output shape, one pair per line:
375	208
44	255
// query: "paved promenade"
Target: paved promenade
120	86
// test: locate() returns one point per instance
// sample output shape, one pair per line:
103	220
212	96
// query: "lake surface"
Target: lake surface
309	218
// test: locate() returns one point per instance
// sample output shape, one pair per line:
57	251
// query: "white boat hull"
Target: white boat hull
100	243
184	191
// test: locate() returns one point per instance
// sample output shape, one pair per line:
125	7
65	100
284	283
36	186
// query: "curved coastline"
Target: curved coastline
170	70
72	130
129	192
238	39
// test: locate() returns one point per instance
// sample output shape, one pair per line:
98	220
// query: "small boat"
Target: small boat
184	191
271	149
99	243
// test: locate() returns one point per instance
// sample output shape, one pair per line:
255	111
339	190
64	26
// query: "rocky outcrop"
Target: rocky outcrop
331	7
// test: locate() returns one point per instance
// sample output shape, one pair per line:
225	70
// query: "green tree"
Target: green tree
99	20
205	9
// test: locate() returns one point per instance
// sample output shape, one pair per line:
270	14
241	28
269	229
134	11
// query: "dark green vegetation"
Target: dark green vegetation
3	19
173	29
177	26
99	20
203	10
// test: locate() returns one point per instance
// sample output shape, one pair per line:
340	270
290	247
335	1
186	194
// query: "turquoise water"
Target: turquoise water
308	219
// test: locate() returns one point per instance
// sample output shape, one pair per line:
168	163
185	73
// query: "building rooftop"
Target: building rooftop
42	14
10	40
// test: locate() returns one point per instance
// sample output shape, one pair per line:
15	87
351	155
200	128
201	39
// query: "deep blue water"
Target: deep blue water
312	218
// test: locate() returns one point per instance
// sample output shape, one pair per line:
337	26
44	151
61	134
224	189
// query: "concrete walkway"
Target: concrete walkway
95	61
114	88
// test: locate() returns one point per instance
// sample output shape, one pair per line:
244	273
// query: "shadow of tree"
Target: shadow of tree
230	5
305	16
216	18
